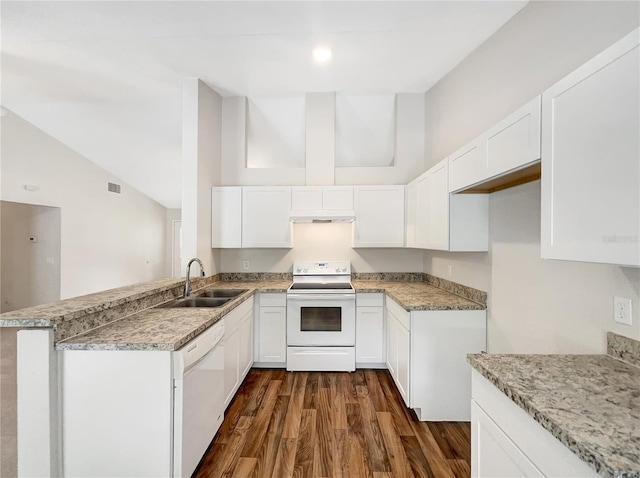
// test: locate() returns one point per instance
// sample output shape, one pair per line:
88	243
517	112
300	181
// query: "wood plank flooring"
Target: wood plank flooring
317	425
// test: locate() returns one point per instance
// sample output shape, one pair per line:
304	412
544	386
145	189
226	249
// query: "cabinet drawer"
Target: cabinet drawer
399	313
272	299
364	299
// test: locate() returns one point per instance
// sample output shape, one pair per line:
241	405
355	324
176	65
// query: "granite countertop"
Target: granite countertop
48	315
591	403
417	295
165	328
126	318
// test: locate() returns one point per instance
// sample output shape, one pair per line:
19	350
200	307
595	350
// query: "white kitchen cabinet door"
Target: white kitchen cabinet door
306	197
231	363
438	206
495	455
514	141
449	222
337	197
238	335
265	216
226	217
398	349
245	353
321	198
591	160
403	338
506	441
379	216
411	204
270	324
370	336
422	211
468	165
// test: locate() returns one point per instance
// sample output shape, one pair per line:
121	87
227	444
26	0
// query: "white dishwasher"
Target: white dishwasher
198	370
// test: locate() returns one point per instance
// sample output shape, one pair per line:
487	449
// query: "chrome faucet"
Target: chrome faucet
187	284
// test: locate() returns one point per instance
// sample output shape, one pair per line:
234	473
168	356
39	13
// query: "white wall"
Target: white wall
172	215
322	242
201	169
534	305
107	240
30	269
408	159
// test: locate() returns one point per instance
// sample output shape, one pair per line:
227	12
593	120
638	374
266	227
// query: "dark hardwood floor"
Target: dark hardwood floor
308	424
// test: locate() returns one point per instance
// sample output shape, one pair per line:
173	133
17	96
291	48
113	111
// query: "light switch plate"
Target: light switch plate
622	310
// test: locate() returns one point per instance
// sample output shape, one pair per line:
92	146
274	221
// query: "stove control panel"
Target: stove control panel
321	268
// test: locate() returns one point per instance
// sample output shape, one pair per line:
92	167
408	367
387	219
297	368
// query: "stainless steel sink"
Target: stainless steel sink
197	302
228	293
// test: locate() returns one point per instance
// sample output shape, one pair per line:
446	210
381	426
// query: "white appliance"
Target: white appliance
322	215
198	369
321	317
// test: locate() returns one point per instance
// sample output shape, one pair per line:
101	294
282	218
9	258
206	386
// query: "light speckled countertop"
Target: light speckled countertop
418	295
55	313
591	403
125	318
165	328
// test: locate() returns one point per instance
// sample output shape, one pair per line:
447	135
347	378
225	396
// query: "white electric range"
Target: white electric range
321	317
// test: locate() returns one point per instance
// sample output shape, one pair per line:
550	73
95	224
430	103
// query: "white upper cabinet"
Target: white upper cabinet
306	197
316	198
438	206
226	217
498	158
411	202
337	197
468	165
591	160
379	216
515	141
437	219
265	216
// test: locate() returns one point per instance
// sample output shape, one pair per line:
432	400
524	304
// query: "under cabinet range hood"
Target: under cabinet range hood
322	215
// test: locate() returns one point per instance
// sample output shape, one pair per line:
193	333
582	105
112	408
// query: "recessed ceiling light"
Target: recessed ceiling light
322	54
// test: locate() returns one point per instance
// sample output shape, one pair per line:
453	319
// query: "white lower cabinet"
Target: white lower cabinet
498	456
238	347
398	354
370	330
271	330
426	356
117	409
506	442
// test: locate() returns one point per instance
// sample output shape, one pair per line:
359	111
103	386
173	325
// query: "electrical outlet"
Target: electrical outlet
622	310
449	270
245	265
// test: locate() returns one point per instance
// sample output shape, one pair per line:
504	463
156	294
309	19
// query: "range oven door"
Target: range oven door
321	320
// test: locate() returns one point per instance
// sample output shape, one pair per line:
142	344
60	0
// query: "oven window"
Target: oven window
321	319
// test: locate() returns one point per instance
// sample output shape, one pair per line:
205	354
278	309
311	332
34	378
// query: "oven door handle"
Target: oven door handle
320	296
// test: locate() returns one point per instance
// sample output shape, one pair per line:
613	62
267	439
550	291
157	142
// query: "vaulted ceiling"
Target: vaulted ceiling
105	78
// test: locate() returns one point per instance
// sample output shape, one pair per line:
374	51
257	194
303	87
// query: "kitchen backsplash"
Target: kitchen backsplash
457	289
453	287
254	276
623	348
390	276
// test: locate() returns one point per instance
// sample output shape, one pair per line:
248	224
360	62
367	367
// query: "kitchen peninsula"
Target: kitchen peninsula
127	319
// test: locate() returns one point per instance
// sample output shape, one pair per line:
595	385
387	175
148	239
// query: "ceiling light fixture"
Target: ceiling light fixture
322	54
